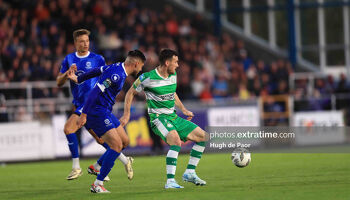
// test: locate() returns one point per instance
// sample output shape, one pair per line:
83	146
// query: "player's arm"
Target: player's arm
136	87
62	77
90	74
127	105
181	106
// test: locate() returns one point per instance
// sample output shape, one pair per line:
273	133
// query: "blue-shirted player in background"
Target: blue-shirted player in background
97	112
81	61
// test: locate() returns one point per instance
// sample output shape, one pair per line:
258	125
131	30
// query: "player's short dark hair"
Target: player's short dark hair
80	32
166	54
137	54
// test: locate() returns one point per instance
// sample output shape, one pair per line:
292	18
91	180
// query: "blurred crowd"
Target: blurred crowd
36	35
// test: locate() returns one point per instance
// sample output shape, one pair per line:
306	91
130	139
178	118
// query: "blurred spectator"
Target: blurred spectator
220	86
22	115
197	84
343	84
4	116
330	84
206	95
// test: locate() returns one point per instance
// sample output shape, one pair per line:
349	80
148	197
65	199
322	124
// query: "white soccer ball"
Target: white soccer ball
241	157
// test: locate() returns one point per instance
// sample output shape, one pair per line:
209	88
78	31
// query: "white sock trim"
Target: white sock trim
97	166
76	164
172	154
98	182
170	180
170	169
190	171
198	148
193	161
123	158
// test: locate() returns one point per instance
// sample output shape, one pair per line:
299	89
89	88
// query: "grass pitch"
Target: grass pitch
269	176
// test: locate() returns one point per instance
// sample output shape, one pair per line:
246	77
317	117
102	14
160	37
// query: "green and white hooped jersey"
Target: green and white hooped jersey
160	93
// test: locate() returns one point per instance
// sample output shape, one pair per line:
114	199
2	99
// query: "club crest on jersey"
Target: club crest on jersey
169	125
88	65
115	77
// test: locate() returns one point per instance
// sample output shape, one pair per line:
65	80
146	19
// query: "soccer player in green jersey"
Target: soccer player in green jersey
159	86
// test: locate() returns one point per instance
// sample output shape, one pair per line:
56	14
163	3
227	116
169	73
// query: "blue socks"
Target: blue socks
107	164
100	160
73	145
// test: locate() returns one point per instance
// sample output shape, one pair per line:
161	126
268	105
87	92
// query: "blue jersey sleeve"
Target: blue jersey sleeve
92	73
64	65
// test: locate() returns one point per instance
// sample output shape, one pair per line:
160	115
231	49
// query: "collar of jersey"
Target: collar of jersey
161	75
76	54
124	69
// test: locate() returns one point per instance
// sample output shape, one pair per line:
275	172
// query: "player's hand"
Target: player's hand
73	67
71	75
81	120
189	114
124	119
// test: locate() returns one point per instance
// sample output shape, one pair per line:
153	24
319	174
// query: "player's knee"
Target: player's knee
67	130
173	139
118	146
126	142
202	137
177	142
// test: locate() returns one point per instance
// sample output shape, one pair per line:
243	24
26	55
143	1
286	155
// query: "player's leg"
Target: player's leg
94	169
190	131
166	130
111	137
174	141
70	128
198	136
127	161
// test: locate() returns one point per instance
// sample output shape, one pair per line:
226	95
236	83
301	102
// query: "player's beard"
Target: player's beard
134	73
171	71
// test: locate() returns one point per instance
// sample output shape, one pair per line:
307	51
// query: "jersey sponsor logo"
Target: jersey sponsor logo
107	83
167	97
115	77
88	65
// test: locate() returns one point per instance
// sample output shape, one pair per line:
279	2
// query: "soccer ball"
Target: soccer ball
241	157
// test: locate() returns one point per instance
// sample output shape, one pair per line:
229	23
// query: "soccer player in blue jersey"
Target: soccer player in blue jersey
79	62
97	111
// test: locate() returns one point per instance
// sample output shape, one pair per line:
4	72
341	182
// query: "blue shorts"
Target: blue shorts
102	122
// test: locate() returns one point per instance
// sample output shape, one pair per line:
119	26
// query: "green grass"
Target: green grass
269	176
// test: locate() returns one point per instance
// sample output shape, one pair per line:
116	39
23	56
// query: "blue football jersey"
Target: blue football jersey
81	91
110	83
